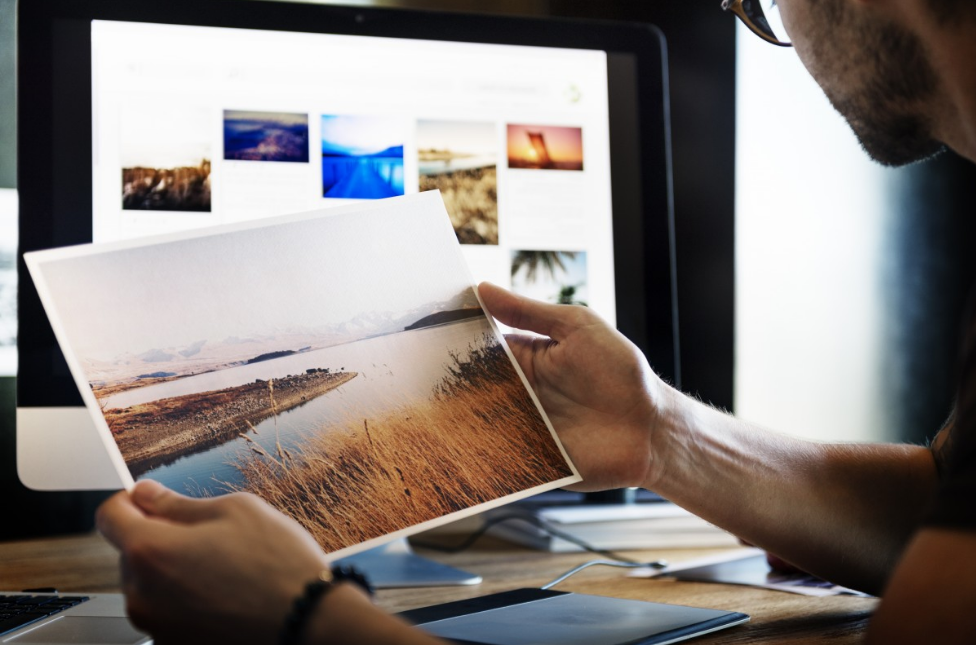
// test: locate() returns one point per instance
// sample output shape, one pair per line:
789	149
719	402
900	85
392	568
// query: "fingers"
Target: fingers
157	500
524	313
125	514
118	519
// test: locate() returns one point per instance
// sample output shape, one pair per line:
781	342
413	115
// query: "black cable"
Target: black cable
528	519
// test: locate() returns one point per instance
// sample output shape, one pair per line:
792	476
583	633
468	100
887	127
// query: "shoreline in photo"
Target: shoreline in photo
160	432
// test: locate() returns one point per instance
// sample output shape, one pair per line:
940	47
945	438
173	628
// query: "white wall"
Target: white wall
8	282
809	218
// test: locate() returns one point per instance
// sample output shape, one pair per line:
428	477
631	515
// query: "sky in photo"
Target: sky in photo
284	118
283	278
458	136
167	136
563	143
361	135
546	288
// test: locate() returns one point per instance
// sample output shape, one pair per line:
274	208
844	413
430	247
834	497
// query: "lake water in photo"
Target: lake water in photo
441	166
393	369
362	177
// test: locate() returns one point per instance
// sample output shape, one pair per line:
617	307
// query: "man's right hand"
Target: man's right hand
596	386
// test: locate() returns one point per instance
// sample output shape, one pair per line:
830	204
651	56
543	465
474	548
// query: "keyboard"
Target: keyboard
18	610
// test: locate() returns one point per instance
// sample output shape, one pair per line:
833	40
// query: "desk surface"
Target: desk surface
88	563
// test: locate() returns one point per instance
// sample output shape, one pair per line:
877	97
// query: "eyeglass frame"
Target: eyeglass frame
754	19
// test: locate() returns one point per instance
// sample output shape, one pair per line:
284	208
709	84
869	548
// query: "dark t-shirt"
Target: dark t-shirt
955	447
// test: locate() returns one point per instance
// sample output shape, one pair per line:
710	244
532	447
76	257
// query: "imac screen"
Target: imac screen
196	126
547	139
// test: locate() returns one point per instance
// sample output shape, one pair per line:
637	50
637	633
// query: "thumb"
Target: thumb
159	501
119	520
520	312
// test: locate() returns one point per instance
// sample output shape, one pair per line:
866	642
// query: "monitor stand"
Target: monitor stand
60	449
396	566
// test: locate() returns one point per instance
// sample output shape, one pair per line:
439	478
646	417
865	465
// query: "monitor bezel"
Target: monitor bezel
55	160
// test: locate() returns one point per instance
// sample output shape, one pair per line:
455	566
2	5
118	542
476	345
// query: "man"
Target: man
894	520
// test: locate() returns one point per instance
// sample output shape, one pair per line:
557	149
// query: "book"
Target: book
611	527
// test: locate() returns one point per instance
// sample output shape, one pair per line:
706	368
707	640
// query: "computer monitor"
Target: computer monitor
548	139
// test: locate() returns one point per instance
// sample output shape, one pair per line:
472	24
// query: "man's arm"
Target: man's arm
843	512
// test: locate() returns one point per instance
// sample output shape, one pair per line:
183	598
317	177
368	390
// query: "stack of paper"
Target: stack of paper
613	527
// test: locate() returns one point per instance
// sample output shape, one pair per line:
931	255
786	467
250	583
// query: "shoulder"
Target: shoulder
930	596
942	446
954	448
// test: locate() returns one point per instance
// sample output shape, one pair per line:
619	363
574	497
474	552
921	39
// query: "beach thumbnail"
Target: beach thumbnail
265	136
460	159
552	276
362	156
545	147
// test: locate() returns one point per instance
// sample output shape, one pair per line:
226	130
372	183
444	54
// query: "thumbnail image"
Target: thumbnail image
383	401
165	157
265	136
461	160
362	157
551	276
546	147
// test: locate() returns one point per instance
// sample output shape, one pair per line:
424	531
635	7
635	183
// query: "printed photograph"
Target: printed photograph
265	136
362	157
551	276
545	147
461	160
165	155
358	387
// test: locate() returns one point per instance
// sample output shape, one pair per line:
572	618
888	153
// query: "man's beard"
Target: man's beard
885	112
889	137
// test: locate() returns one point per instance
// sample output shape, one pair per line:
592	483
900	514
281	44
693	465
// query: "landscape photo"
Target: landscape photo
165	156
265	136
362	156
358	387
552	276
461	160
545	147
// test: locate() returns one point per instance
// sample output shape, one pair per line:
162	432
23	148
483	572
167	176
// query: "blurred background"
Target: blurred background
819	294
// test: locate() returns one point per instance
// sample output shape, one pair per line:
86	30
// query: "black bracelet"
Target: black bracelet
303	605
349	573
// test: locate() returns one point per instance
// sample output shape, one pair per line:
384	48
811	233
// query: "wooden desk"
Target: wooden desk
88	563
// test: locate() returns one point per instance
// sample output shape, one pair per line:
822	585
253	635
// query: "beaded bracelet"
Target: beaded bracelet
303	605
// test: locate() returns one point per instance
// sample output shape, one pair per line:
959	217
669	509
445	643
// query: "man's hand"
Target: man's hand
209	570
226	570
596	386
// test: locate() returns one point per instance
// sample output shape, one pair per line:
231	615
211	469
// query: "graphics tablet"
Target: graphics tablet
541	617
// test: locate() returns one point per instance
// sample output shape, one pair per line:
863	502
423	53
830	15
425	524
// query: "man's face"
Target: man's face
874	72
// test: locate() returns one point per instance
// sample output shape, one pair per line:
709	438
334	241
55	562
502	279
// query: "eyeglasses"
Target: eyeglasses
762	18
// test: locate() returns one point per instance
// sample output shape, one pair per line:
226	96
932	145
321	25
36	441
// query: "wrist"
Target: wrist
670	412
333	619
306	604
303	607
348	616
